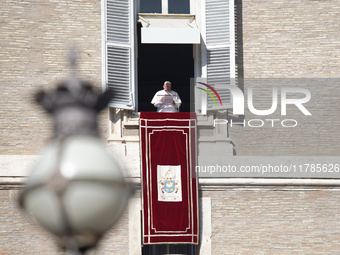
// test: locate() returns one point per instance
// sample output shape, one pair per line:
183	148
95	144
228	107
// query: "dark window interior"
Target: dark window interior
179	6
150	6
161	62
163	249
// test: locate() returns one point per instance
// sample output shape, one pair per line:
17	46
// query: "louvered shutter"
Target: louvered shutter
220	49
120	63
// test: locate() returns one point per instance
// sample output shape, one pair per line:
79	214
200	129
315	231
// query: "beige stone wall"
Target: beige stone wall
290	39
314	135
35	36
244	221
20	235
274	221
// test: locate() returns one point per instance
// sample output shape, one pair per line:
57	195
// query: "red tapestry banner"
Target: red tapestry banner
169	183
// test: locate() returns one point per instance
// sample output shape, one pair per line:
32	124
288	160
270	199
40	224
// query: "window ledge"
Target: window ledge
164	20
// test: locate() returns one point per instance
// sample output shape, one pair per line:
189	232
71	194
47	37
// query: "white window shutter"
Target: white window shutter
120	61
220	49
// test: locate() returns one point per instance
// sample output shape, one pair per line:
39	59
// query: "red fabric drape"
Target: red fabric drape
169	183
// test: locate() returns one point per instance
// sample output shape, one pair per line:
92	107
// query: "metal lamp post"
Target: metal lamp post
76	190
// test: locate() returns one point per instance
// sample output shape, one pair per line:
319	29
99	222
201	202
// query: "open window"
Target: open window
160	62
166	34
152	41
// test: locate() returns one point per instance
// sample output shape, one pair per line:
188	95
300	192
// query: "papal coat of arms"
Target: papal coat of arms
169	183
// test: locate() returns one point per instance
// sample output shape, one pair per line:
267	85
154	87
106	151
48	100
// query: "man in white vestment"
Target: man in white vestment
166	100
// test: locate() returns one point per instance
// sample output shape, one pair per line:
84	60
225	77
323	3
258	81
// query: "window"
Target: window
160	62
165	6
211	57
179	6
150	6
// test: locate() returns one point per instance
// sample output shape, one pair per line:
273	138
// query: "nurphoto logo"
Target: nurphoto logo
213	90
296	96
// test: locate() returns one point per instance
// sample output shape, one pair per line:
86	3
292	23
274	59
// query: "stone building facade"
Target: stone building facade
245	214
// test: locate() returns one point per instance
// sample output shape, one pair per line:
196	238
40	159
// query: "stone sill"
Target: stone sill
8	182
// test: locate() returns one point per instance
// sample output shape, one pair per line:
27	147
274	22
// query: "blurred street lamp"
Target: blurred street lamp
76	190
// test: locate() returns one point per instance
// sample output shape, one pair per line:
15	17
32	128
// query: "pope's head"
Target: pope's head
167	86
